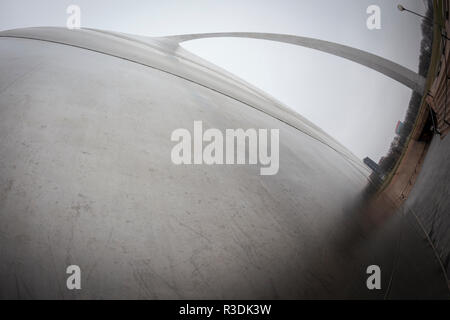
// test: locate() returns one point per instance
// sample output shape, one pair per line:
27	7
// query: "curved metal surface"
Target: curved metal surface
86	178
166	55
391	69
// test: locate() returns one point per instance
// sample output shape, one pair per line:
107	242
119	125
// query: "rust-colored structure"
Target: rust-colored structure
433	112
438	97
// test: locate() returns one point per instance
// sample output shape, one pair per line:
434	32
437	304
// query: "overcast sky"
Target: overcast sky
356	105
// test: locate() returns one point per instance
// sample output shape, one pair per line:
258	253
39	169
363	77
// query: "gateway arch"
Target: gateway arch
391	69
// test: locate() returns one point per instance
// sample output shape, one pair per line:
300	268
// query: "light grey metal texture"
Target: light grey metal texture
168	56
87	179
391	69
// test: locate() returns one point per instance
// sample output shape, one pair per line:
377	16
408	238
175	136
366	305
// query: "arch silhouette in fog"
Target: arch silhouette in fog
391	69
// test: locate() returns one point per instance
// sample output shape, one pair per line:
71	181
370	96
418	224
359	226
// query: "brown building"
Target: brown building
438	96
